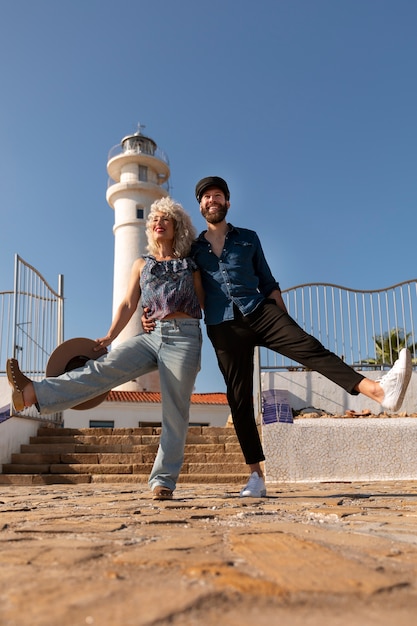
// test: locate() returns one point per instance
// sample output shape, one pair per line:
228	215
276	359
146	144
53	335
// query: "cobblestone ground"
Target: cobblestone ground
306	555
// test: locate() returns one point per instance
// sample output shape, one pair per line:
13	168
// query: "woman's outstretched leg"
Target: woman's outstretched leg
133	358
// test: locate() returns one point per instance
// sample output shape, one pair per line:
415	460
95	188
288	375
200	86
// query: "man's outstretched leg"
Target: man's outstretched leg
276	330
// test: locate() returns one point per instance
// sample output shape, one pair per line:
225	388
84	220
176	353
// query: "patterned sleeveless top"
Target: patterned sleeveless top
168	287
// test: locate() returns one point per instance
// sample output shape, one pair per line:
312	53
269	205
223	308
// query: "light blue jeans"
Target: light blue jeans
173	348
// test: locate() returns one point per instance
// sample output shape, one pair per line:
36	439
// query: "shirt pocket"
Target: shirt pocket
241	253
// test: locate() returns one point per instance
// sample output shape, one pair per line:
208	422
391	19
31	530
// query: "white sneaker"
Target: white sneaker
395	382
255	487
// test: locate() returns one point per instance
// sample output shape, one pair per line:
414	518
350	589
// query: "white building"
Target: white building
132	409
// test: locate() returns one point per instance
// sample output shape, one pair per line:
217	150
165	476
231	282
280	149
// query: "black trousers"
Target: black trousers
268	326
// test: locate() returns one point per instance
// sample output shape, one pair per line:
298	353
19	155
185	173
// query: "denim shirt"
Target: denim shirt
240	276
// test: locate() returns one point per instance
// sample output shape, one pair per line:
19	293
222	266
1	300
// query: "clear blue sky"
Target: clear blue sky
307	107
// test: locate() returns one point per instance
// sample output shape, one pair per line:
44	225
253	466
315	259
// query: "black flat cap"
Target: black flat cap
211	181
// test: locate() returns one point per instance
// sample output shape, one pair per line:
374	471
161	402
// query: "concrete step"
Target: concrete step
40	448
119	468
48	458
78	479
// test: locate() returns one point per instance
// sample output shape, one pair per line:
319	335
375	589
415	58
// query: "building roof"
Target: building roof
155	397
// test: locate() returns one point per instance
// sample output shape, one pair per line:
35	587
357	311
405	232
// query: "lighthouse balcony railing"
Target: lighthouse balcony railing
365	328
138	149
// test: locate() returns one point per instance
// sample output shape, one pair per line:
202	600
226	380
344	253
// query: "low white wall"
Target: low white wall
310	389
14	432
331	449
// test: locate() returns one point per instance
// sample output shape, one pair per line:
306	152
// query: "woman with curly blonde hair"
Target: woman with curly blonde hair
168	283
184	231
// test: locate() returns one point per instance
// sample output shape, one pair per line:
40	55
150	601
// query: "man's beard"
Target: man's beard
215	218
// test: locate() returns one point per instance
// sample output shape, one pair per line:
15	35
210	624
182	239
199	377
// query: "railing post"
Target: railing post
15	305
60	316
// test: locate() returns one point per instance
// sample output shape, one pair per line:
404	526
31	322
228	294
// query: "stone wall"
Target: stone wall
333	450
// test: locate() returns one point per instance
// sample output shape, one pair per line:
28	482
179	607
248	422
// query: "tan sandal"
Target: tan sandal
162	493
18	381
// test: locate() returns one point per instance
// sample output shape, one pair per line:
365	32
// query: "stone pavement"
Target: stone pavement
308	554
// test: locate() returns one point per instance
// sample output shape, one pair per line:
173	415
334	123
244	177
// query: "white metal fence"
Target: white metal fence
31	322
365	328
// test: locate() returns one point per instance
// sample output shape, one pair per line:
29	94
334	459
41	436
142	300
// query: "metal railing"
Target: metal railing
365	328
31	323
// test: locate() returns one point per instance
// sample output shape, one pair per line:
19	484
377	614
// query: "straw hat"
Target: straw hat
71	354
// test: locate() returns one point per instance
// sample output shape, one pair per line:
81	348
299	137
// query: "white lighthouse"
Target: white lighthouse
139	174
